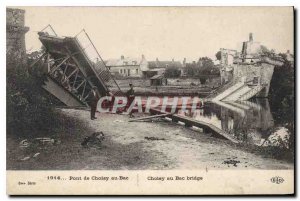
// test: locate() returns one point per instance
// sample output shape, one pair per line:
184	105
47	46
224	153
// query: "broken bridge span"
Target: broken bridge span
74	66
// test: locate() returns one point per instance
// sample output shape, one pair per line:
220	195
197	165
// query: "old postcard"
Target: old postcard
150	100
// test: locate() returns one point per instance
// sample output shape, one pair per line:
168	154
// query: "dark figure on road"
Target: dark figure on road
130	98
93	100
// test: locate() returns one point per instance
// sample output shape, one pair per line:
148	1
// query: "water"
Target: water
249	122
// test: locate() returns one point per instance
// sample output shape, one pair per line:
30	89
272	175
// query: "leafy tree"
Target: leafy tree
218	55
265	51
282	96
192	70
29	111
207	69
172	72
203	69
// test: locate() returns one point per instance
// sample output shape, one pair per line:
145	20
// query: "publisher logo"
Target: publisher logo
277	180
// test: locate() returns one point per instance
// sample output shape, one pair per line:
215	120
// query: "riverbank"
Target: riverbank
134	145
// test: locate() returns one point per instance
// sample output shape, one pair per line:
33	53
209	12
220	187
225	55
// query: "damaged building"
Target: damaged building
247	73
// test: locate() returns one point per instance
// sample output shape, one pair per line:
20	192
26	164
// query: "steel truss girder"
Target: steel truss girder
65	71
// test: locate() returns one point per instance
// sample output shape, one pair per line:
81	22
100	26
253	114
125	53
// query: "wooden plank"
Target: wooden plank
149	117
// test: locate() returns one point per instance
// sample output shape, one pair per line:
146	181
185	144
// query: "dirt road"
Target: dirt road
140	145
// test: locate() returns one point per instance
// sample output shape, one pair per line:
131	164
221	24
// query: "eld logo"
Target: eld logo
277	180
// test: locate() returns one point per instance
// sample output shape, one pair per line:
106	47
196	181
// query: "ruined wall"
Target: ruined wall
259	74
227	64
250	64
267	73
227	56
15	34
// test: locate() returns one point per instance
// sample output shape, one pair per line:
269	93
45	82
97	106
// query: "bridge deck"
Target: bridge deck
189	122
59	47
74	67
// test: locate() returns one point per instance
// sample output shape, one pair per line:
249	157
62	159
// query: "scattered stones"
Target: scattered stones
24	143
154	138
279	138
38	142
231	162
36	155
25	159
118	121
44	140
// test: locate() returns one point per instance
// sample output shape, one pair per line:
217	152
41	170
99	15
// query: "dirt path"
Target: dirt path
179	147
145	145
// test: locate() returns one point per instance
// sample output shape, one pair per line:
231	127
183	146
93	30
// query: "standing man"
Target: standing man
130	98
93	99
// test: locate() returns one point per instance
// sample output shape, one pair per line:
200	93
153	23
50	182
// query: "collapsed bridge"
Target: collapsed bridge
74	66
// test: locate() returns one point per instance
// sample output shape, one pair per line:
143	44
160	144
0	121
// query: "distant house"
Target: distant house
158	67
140	67
164	64
158	80
128	66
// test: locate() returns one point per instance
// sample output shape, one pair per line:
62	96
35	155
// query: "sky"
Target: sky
165	32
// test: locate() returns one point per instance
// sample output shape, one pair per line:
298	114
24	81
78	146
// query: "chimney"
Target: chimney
250	37
122	57
288	51
173	60
156	59
184	62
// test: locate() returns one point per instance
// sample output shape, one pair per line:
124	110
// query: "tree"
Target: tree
192	70
205	64
282	96
29	112
206	69
172	72
219	55
265	51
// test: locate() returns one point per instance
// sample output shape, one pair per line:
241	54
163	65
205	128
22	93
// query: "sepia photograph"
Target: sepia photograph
151	96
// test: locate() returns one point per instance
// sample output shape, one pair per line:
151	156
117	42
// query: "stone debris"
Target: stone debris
36	155
118	121
25	159
24	143
94	140
279	138
231	162
44	140
154	138
39	141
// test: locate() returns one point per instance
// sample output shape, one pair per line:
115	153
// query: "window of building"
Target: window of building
120	71
137	71
128	70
